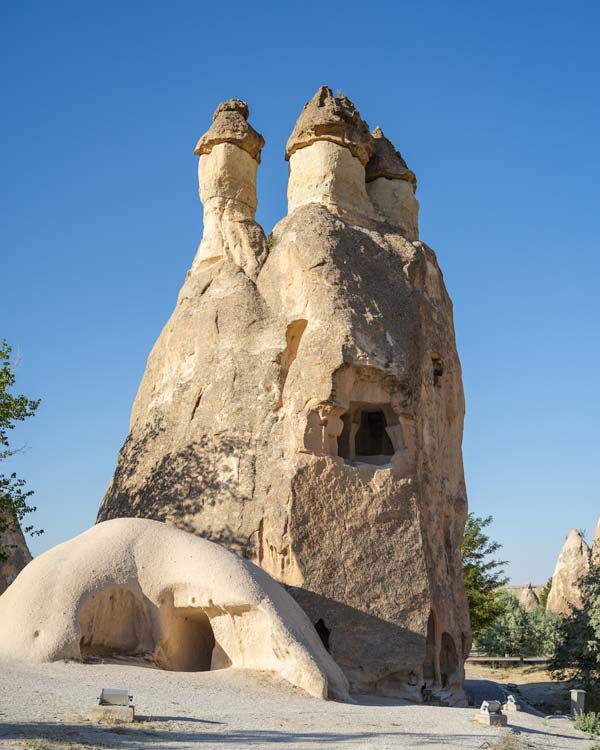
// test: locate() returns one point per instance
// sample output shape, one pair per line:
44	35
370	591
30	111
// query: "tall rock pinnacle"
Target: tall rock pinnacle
391	186
304	406
327	151
572	565
229	156
596	545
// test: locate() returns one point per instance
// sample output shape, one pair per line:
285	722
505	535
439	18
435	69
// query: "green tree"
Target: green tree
517	632
483	574
13	497
577	656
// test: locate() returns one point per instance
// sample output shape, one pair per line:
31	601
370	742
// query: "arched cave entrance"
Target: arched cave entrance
323	632
368	434
448	659
118	622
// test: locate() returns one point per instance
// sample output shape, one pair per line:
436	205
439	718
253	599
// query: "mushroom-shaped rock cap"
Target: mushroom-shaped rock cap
331	118
230	125
387	162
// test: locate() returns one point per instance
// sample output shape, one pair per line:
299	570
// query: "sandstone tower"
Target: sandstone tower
304	406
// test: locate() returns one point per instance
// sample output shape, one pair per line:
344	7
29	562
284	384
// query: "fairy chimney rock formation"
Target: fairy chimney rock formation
391	186
304	405
572	565
229	157
596	545
528	598
327	153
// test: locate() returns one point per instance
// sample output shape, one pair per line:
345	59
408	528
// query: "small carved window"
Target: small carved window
438	369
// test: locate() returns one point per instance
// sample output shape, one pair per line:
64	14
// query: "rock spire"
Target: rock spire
596	545
528	598
331	118
229	156
303	406
572	565
230	125
387	162
391	186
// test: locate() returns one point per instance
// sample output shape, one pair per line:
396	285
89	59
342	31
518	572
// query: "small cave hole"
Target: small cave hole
323	632
437	364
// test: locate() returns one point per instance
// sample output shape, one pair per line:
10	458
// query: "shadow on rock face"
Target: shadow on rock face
180	485
387	644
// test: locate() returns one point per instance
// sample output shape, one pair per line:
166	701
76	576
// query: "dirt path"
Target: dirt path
44	707
533	683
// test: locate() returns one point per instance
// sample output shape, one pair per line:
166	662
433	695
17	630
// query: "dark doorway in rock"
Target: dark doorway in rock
323	632
370	433
448	659
372	438
430	666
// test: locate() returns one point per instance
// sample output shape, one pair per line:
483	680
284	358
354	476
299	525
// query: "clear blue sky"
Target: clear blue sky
494	105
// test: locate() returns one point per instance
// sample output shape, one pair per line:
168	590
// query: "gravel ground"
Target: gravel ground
44	706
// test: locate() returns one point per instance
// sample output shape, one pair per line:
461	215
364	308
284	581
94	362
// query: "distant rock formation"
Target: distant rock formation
134	587
572	565
18	555
304	403
596	545
528	598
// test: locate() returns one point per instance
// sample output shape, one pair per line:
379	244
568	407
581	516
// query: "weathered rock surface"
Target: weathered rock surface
572	565
304	407
331	118
528	598
230	125
596	545
18	555
133	586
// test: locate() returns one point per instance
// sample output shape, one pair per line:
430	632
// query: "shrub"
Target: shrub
483	575
516	632
577	654
588	722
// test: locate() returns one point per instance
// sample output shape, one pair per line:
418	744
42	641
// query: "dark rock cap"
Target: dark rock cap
230	125
335	119
387	162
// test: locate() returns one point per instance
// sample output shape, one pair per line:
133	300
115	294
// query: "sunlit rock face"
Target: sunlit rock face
572	566
304	404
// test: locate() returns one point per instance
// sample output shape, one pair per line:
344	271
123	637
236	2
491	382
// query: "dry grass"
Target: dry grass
506	741
57	744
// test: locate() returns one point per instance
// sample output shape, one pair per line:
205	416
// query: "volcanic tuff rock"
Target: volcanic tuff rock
304	406
572	565
137	587
528	598
334	119
18	555
596	545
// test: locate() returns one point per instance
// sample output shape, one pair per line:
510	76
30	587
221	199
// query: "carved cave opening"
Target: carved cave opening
430	666
116	622
366	434
448	660
437	364
323	632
